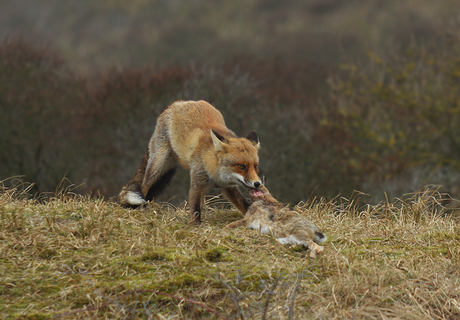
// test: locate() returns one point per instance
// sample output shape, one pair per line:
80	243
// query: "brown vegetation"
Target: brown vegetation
263	64
385	122
388	125
75	257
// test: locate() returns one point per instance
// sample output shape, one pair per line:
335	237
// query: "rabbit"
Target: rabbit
288	226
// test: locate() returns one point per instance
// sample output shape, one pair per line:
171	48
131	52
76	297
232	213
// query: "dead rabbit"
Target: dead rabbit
287	226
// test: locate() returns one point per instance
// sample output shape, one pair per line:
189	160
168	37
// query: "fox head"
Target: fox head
238	159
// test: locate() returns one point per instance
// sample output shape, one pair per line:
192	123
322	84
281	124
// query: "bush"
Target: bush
41	106
93	129
389	125
123	111
393	123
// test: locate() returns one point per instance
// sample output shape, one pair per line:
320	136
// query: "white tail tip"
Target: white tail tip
134	198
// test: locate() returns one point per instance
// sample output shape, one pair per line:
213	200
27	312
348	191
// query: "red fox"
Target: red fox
194	134
288	226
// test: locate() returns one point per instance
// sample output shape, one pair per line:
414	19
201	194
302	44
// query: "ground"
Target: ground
75	257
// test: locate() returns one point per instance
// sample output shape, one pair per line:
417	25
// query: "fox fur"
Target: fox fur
194	135
288	226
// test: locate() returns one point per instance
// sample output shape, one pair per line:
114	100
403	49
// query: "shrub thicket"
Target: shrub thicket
388	125
393	122
41	108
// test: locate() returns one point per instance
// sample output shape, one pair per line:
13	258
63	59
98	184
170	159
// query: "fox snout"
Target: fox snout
247	178
253	185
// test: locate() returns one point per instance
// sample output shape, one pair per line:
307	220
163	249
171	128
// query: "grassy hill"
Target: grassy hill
73	257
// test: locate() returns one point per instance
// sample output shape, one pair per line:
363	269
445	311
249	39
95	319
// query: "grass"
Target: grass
73	257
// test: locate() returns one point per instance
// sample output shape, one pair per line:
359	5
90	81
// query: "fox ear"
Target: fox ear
218	141
252	136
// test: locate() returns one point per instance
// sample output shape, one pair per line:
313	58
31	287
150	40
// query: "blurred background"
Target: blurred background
346	95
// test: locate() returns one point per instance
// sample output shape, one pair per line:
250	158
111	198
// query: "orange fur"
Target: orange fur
194	135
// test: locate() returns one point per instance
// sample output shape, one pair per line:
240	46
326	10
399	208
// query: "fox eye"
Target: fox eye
241	167
256	167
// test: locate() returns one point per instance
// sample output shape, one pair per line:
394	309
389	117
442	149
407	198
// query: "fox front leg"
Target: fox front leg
235	197
196	202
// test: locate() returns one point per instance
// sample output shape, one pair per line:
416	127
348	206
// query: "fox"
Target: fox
288	226
193	134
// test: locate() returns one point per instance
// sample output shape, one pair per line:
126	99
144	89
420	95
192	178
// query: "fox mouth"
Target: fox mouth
257	193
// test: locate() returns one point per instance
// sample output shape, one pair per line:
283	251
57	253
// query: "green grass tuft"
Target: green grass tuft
215	254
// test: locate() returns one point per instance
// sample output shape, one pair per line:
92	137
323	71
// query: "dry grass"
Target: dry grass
74	257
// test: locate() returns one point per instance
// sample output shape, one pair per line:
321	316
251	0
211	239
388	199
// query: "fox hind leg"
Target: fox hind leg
159	172
130	195
161	165
159	186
